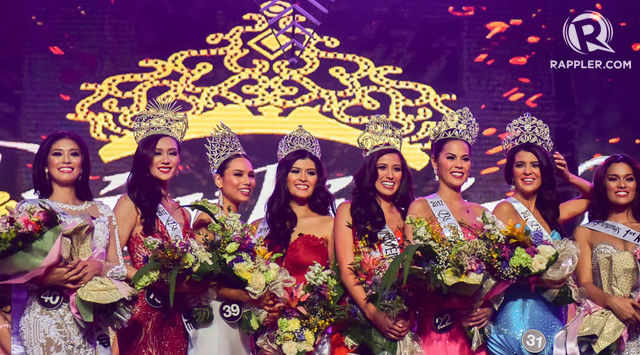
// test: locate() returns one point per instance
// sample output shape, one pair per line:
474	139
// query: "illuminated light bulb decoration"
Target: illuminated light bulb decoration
257	97
291	30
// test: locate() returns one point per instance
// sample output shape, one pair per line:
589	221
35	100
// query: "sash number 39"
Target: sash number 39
231	311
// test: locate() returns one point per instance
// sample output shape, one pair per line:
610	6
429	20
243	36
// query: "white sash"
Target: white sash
528	217
262	231
445	218
389	246
173	227
615	229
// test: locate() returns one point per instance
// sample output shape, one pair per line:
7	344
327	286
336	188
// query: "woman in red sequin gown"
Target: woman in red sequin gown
155	328
381	195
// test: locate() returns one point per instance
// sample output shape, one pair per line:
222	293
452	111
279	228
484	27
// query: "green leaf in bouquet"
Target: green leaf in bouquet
173	276
201	316
85	309
204	207
369	339
391	275
339	288
203	271
31	256
143	271
564	297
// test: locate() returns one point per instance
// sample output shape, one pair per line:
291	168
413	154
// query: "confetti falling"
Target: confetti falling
496	27
489	170
56	50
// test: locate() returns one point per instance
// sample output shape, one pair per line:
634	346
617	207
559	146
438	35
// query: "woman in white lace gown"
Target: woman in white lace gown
42	319
614	214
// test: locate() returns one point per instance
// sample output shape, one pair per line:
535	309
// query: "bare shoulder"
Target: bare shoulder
344	207
505	211
420	208
581	234
125	205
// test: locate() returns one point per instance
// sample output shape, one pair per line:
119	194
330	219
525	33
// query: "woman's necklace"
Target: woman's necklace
70	207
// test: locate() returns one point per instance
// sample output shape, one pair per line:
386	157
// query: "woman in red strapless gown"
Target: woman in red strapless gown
298	220
152	330
303	252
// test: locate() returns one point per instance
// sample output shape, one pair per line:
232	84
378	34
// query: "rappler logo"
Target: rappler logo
588	32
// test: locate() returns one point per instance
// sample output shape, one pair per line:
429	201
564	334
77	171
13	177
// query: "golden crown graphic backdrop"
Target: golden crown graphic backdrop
263	69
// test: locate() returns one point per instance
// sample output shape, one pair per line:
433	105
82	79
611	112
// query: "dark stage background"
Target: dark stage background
88	66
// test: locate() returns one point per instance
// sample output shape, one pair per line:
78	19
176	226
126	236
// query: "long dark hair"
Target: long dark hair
42	184
366	213
280	217
600	206
548	198
143	188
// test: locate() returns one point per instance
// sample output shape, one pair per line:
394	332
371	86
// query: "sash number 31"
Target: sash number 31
534	341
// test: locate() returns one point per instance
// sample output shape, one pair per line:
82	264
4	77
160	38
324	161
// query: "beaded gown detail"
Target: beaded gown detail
632	346
36	330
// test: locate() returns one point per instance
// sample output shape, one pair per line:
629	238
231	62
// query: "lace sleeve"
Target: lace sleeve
114	266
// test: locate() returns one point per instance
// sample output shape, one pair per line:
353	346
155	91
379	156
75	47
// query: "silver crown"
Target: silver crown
527	129
297	140
160	117
458	124
222	144
379	134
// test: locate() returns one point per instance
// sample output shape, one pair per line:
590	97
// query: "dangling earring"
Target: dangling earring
80	177
46	173
435	176
218	194
512	188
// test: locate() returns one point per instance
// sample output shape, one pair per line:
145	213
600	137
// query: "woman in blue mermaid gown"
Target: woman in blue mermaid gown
530	171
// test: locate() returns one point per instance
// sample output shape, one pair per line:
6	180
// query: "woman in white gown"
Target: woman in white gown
44	324
234	176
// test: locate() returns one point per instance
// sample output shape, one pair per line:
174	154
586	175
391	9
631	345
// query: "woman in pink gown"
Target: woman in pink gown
442	318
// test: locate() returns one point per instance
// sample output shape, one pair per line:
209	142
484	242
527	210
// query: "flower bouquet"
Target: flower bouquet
451	264
27	235
230	241
384	288
170	261
240	260
33	240
517	254
262	275
448	265
310	308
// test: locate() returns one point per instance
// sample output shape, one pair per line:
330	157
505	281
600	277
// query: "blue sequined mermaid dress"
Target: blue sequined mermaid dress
520	311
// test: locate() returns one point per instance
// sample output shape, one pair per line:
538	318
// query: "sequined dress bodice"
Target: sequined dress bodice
633	342
605	248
